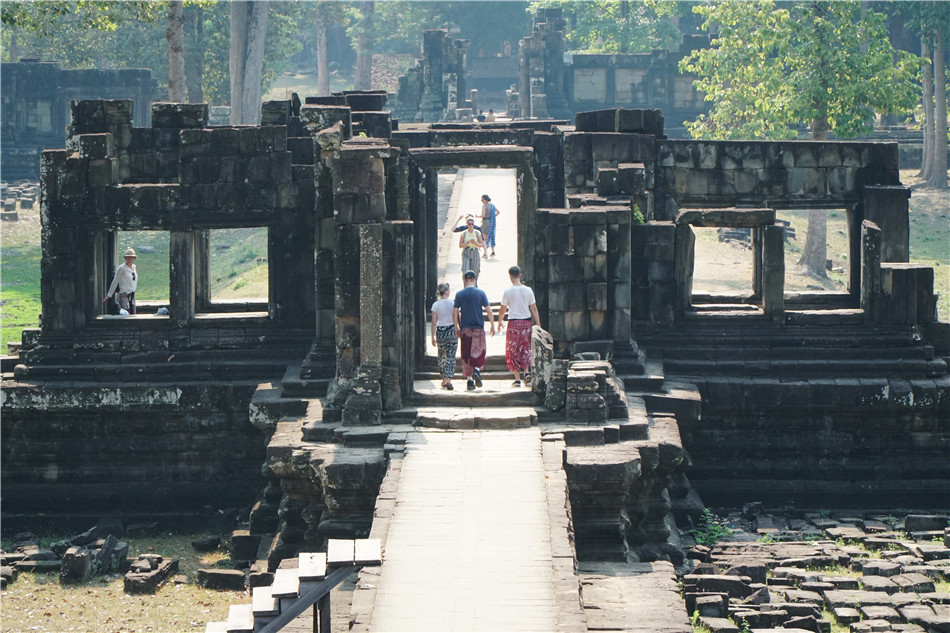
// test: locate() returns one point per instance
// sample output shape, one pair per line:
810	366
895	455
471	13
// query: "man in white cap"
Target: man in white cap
125	281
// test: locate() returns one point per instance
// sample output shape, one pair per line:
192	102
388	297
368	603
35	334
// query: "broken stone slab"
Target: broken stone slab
735	586
150	581
879	583
880	612
221	579
925	522
877	567
929	551
914	583
76	565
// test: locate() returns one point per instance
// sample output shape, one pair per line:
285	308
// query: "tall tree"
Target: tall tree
194	51
930	21
175	35
773	66
363	76
927	95
322	20
248	20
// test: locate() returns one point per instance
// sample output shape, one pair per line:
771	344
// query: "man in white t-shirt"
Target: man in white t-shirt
518	301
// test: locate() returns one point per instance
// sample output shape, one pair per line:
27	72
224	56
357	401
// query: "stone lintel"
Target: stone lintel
732	217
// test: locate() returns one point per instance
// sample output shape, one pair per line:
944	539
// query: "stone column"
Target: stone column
888	207
364	404
181	272
432	102
684	246
870	268
773	272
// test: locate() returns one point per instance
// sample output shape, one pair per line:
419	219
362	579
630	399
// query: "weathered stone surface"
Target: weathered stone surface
221	579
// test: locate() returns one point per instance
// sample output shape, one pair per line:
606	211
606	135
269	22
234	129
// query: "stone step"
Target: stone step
818	367
292	385
468	418
496	391
682	399
240	618
168	372
843	316
756	353
493	362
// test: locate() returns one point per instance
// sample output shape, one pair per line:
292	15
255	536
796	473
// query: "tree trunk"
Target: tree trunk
816	244
175	35
820	128
254	62
927	95
362	79
194	53
238	48
816	236
938	177
323	64
14	49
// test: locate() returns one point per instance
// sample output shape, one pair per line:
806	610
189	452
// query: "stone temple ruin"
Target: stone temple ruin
655	399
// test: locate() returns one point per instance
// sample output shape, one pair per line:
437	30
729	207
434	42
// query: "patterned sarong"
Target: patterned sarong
518	345
488	227
473	350
471	260
448	344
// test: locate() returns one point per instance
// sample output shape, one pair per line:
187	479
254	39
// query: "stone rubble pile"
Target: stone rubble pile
95	552
872	574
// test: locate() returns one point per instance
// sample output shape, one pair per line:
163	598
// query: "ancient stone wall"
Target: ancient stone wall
646	80
36	97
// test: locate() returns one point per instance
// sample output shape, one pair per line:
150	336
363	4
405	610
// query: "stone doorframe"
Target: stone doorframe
768	255
425	163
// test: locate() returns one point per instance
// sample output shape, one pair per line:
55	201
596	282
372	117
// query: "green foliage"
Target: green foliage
773	66
638	215
710	529
132	35
609	26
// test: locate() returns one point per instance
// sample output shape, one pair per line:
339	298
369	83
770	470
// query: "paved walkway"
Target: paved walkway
469	545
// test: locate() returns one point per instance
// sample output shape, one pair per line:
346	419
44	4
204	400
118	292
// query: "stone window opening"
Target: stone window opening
234	273
817	272
152	261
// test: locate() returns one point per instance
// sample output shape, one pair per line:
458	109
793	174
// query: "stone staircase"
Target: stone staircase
792	411
297	584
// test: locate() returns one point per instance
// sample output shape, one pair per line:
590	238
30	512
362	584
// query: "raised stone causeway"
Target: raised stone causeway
319	408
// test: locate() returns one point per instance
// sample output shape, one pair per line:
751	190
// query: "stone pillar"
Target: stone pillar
888	207
364	404
433	51
870	268
684	246
202	269
773	272
359	205
181	272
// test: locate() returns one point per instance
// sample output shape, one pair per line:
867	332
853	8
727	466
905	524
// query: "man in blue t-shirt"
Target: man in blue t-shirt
470	328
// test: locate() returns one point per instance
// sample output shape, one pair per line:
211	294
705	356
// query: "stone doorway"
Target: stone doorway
424	173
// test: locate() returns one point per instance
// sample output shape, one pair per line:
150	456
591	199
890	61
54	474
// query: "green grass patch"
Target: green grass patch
20	304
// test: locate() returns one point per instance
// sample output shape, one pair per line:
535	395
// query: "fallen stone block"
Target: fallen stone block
150	581
880	612
914	583
925	522
76	565
221	579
